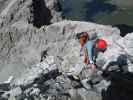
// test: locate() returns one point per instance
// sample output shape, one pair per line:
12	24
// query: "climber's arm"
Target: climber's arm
88	57
90	52
85	56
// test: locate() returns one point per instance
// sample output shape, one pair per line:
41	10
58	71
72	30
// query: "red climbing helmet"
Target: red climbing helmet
101	44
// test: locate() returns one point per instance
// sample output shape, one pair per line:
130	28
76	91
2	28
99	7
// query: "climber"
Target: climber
89	48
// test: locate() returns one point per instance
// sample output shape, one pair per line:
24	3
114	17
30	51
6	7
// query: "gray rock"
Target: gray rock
21	45
16	10
39	72
82	94
16	91
119	53
4	86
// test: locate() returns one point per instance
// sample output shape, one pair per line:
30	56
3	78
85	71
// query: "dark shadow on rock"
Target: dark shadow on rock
121	87
125	29
5	86
51	75
96	6
41	14
120	64
43	78
44	54
58	6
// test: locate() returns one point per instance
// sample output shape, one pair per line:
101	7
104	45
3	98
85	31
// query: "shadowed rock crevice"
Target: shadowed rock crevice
125	29
41	14
121	87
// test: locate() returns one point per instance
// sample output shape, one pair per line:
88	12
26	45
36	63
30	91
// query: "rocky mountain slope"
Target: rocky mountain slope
38	12
24	43
61	48
25	14
40	61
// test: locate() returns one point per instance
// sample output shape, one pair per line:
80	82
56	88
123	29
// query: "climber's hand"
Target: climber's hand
105	73
93	67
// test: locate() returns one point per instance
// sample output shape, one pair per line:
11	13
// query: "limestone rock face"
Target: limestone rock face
18	18
40	55
23	46
120	52
22	43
